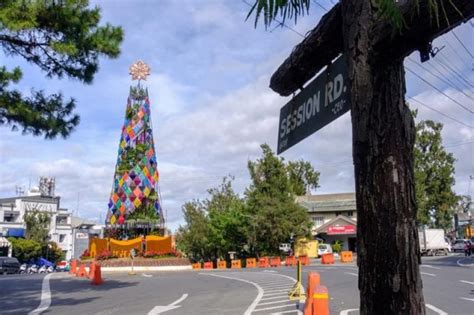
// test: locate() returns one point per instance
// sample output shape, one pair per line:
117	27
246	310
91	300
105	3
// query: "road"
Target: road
448	289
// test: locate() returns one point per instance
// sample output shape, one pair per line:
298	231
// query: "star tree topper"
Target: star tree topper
139	70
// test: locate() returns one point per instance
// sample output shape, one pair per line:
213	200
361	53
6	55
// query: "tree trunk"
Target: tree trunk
383	139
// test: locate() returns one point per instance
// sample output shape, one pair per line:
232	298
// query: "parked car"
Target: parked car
458	245
9	265
62	266
324	249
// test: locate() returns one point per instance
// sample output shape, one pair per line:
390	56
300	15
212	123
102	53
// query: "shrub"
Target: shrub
106	254
337	246
24	249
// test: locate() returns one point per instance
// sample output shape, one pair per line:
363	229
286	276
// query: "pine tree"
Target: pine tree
62	38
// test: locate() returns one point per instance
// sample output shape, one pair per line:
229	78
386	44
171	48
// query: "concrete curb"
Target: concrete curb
144	268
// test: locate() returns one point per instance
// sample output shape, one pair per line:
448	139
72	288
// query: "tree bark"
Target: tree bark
383	139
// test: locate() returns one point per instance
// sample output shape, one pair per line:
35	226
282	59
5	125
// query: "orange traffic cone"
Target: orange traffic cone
81	272
91	270
97	278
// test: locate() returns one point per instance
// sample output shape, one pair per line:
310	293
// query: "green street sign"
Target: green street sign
323	100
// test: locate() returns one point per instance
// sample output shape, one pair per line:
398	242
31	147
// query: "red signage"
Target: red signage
344	229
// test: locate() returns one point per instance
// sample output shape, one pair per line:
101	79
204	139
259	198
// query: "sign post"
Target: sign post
322	101
133	253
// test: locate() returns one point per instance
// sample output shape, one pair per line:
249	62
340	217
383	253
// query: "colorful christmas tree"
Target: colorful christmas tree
135	187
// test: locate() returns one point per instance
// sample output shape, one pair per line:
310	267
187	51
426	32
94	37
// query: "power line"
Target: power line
440	78
440	112
320	5
462	44
439	90
458	144
449	68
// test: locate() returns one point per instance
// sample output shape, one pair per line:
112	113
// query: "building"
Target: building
12	211
334	217
82	231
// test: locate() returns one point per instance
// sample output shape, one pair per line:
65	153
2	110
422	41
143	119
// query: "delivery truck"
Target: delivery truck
433	242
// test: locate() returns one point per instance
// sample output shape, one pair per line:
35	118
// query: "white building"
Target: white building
334	217
13	209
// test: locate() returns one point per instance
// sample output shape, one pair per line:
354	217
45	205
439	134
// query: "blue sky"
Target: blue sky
211	106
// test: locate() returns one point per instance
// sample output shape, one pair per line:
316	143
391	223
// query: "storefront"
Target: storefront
342	229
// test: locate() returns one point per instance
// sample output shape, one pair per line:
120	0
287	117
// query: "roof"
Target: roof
337	221
76	221
328	202
30	198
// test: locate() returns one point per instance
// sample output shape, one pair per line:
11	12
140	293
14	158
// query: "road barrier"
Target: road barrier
221	264
236	264
327	259
251	263
196	266
81	271
304	260
207	265
275	262
314	279
290	261
346	256
73	269
263	262
97	278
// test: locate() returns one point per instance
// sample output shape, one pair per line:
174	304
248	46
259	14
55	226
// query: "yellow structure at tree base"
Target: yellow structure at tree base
118	248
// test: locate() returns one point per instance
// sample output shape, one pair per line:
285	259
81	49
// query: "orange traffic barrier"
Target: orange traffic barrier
236	264
290	261
97	278
91	270
275	262
208	265
304	260
196	266
327	259
314	279
73	268
251	263
346	256
263	262
81	271
320	300
221	264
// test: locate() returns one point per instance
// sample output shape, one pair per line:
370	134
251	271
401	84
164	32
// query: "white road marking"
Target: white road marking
435	309
274	302
428	274
345	312
464	281
275	307
146	276
351	273
298	312
281	286
459	262
252	306
165	308
278	290
45	296
429	266
269	271
275	293
467	299
275	297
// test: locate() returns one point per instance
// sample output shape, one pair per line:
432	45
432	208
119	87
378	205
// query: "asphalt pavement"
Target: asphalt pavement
448	289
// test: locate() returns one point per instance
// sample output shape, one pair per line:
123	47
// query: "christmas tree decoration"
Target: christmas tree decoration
135	194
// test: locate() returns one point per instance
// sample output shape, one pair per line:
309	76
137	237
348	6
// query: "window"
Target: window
350	213
8	218
61	220
338	213
62	237
317	221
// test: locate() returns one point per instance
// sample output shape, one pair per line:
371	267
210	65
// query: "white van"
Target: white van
324	249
